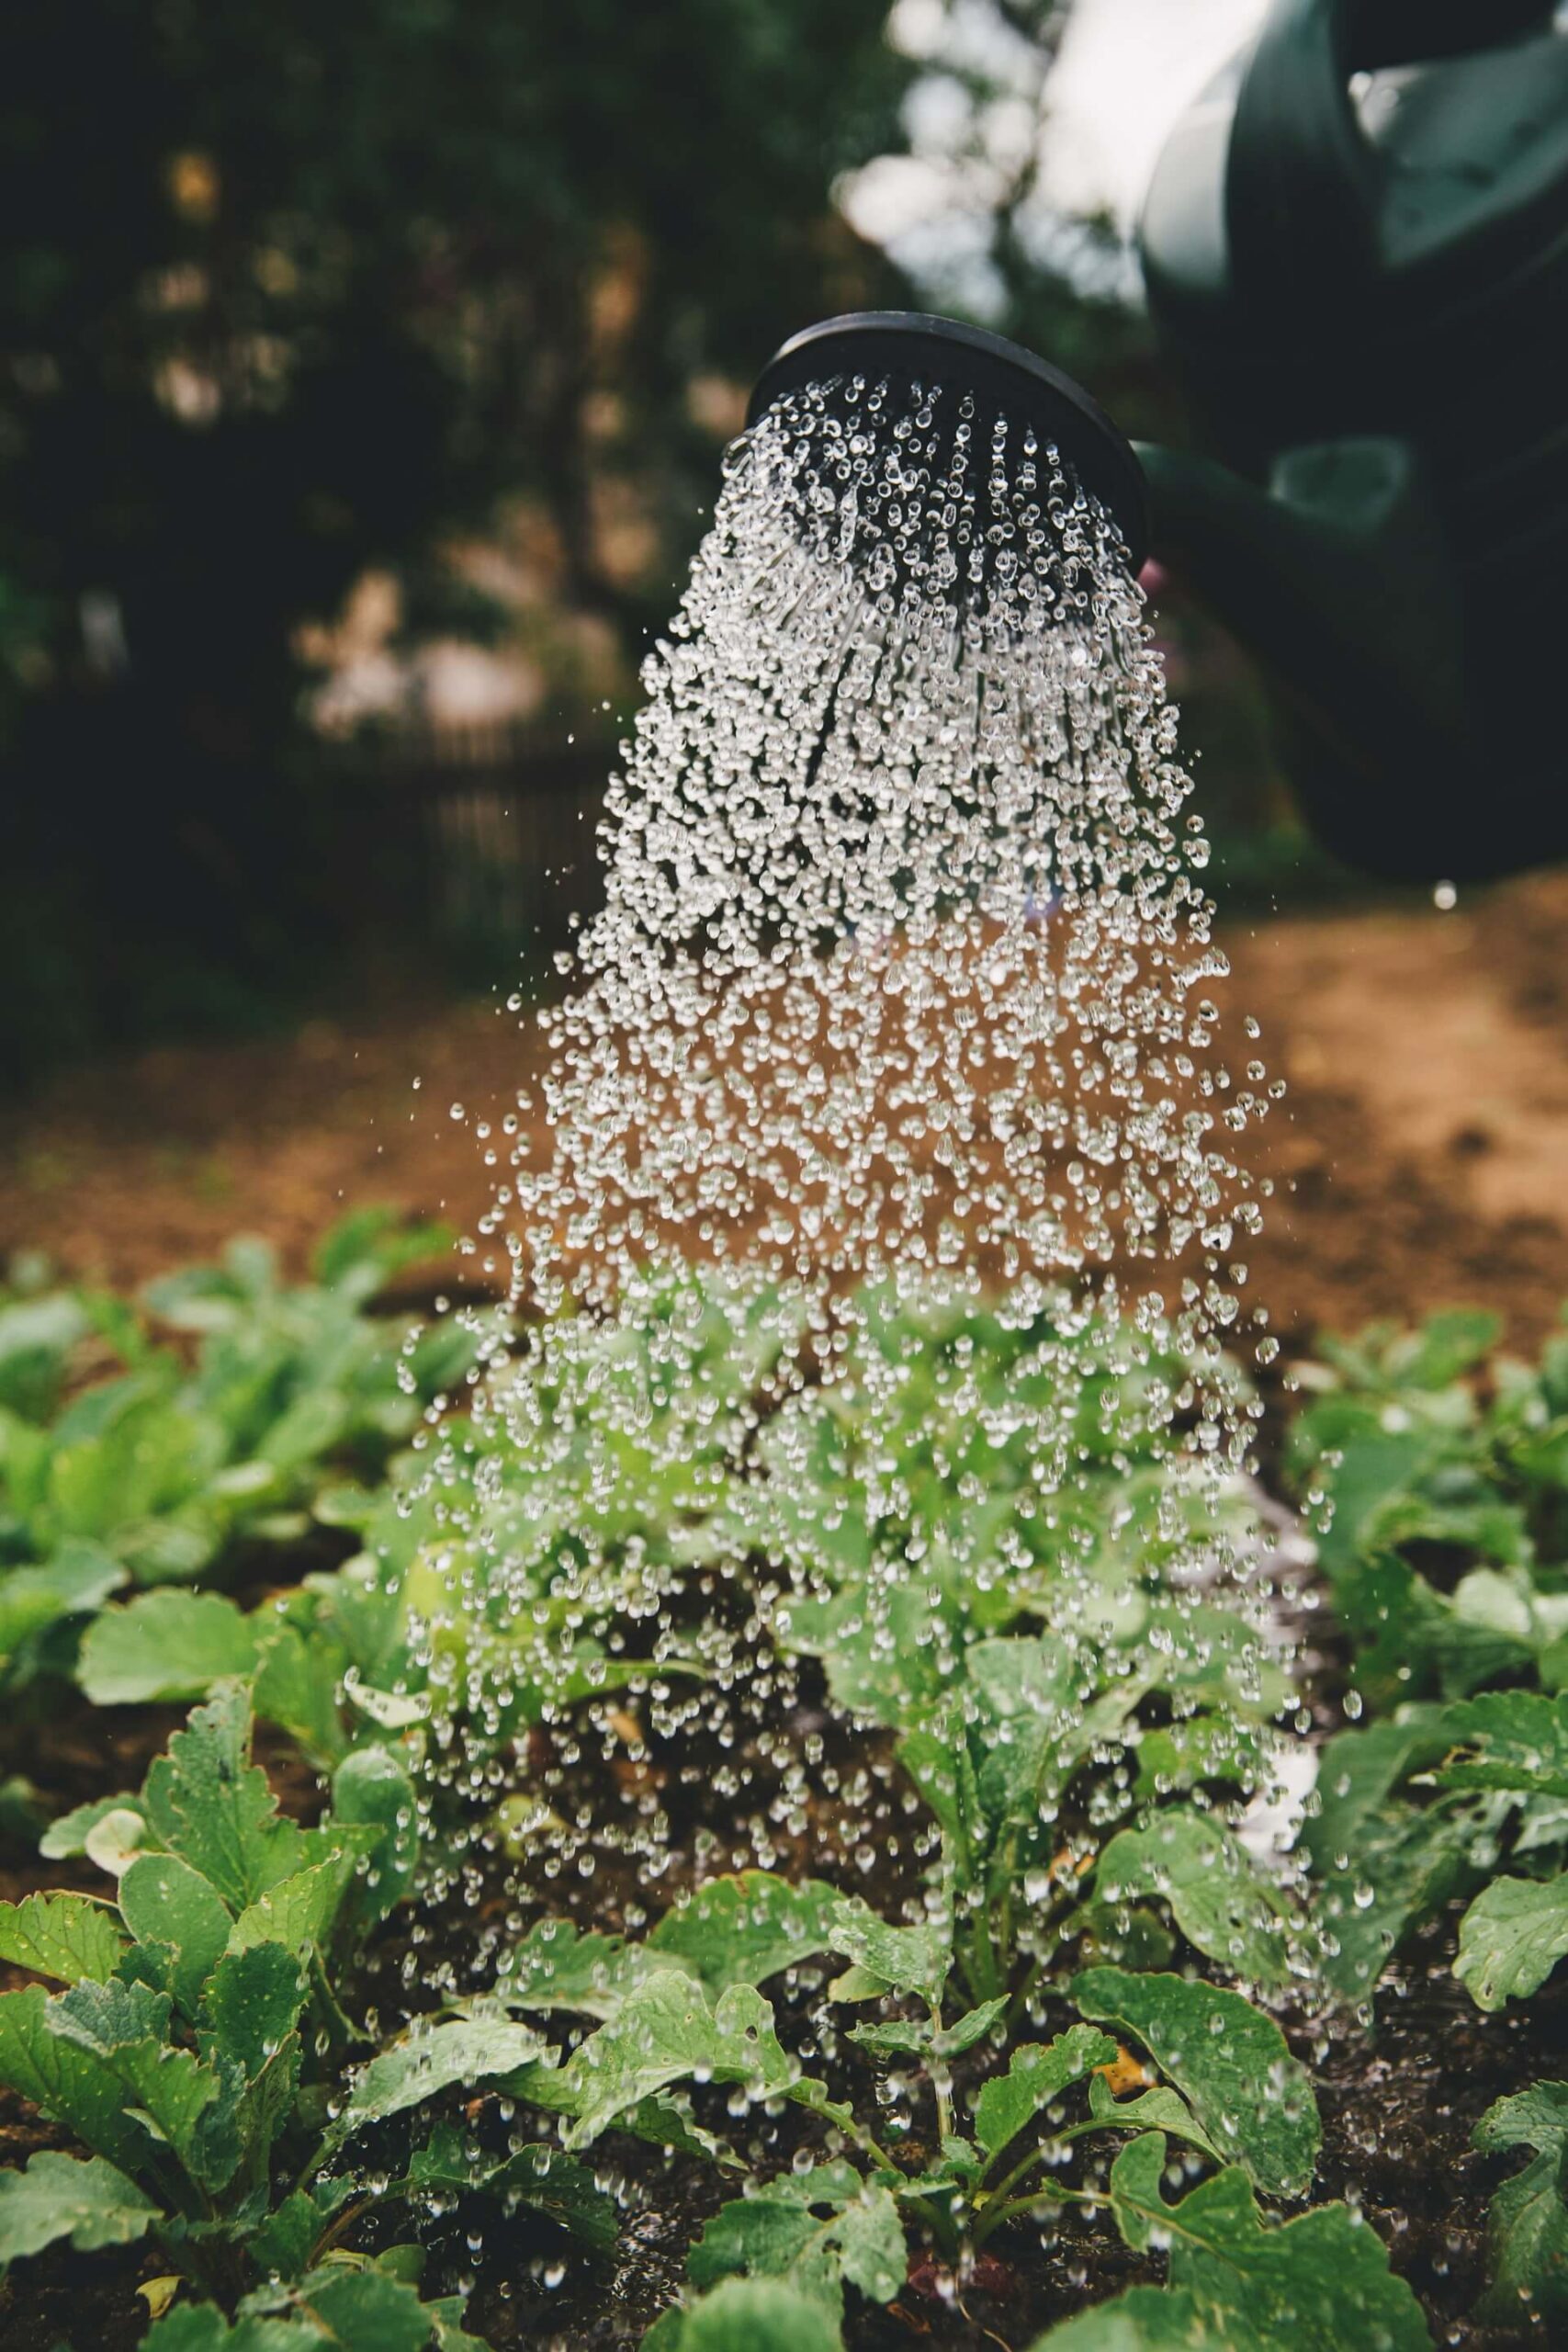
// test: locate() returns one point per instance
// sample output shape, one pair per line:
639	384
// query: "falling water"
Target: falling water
902	1009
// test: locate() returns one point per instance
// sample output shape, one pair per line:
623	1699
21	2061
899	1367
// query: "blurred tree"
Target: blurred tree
287	290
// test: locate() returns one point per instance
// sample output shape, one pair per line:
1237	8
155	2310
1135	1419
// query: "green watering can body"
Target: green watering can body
1356	247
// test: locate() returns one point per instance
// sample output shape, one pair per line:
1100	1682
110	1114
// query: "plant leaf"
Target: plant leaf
813	2228
1521	1739
211	1805
761	2314
664	2032
66	2081
927	2041
1230	2063
83	2198
1039	2072
165	1901
1217	1897
1526	2221
432	2060
63	1936
371	1791
126	2027
252	2005
162	1647
1318	2283
1161	2109
1512	1938
743	1929
1151	2318
542	2177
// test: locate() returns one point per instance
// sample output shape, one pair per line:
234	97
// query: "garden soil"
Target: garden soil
1420	1155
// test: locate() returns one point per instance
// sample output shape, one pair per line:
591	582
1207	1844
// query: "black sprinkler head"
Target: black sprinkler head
927	353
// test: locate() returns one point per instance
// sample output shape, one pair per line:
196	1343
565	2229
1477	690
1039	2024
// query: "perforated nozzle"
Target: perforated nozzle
908	347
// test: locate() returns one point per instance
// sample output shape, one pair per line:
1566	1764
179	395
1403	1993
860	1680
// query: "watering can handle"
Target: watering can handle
1304	185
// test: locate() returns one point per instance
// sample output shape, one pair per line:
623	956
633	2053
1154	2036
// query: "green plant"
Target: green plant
158	1475
941	2121
200	2041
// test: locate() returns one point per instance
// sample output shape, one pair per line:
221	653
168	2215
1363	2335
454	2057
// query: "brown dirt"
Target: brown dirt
1421	1153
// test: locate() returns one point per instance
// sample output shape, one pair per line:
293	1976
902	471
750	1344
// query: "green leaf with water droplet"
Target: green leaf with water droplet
1230	2063
923	2038
1512	1938
66	1836
1037	2074
666	2033
63	1936
1319	2283
84	2200
126	2027
253	2003
743	1929
1217	1896
432	2060
371	1791
165	1901
1161	2109
162	1647
1507	1739
210	1803
1526	2221
68	2081
814	2229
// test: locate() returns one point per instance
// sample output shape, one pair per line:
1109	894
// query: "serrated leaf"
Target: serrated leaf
431	2060
556	1966
1403	1867
162	1647
299	1911
126	2028
252	2005
211	1805
1230	2063
1526	2221
1038	2074
743	1929
906	1960
84	2200
1217	1896
69	2082
813	2228
1512	1938
163	1900
364	2311
1160	2110
63	1936
666	2033
1318	2283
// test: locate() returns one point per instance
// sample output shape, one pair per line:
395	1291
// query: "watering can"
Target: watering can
1356	248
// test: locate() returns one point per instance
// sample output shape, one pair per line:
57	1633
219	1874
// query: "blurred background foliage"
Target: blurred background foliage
366	364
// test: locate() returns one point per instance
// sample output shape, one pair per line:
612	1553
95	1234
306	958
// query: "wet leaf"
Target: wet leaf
1160	2110
430	2061
1151	2318
83	2200
1508	1739
666	2033
211	1805
1038	2074
761	2314
743	1929
814	2229
1229	2061
371	1791
926	2040
1526	2221
253	2003
542	2177
1319	2283
1512	1938
163	1900
1217	1896
63	1936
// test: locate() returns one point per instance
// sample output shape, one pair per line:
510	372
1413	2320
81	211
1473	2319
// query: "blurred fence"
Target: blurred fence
474	840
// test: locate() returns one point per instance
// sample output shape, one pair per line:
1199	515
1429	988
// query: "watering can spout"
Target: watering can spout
1338	580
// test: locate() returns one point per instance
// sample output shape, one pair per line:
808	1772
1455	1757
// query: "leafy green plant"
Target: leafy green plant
1446	1551
156	1476
960	2130
199	2033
